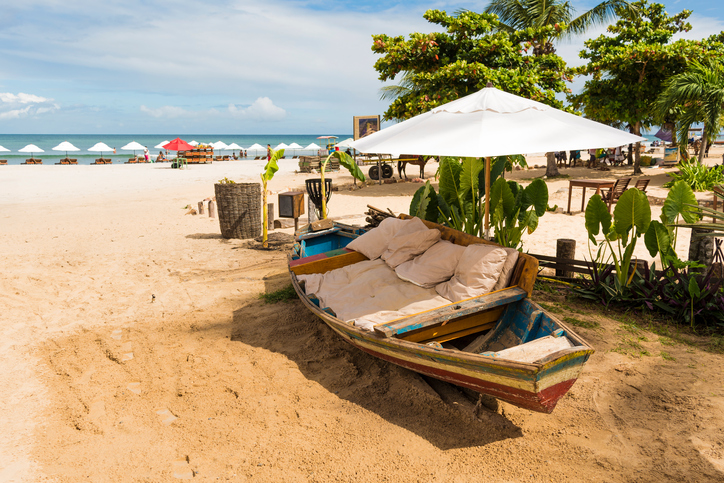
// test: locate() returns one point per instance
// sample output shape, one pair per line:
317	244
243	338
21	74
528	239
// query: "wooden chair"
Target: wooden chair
612	195
642	184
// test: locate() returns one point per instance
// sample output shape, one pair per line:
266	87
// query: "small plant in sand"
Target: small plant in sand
227	181
344	160
269	170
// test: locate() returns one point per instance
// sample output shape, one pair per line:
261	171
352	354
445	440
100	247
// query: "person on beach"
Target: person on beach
146	154
160	158
268	152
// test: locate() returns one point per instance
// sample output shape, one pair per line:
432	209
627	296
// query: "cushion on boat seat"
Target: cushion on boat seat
476	274
411	240
373	243
508	267
436	265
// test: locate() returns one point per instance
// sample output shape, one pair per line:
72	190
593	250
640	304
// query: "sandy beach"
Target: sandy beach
136	348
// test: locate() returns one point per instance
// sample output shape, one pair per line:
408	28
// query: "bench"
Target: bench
449	321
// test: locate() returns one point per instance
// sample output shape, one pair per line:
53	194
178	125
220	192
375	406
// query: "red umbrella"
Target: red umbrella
178	144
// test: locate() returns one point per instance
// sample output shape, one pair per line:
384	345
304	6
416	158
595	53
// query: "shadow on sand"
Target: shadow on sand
399	396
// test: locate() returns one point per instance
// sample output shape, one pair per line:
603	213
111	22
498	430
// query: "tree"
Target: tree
440	67
700	93
629	66
522	14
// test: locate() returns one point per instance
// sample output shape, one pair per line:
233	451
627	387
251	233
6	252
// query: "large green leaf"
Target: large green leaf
469	178
271	165
598	219
424	203
497	167
677	203
657	239
632	210
529	221
449	186
501	196
536	194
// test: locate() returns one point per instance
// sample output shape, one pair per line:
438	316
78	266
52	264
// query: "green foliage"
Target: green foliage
698	176
287	294
227	181
269	170
513	210
346	161
440	67
630	64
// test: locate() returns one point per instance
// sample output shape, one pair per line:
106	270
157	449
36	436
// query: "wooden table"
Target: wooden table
588	183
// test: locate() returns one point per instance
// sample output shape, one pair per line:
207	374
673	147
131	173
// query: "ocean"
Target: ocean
46	142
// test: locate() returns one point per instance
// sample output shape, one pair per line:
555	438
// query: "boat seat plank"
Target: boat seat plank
452	311
327	264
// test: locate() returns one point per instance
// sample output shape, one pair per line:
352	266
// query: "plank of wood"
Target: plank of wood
451	311
480	321
327	264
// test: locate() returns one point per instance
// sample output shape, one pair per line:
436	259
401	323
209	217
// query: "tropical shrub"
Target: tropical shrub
266	176
698	176
344	160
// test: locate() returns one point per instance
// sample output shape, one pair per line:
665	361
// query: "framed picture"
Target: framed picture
365	125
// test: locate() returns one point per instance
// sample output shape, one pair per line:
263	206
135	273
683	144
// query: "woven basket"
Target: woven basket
239	208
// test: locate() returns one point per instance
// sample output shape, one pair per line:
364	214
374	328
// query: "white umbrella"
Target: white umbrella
99	148
256	147
219	145
294	147
31	148
490	123
233	146
280	146
347	143
4	149
65	146
161	145
133	146
313	147
194	143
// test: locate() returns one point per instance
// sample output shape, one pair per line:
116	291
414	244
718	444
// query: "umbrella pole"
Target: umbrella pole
487	198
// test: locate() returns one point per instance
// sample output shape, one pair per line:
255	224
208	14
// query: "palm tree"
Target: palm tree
700	93
522	14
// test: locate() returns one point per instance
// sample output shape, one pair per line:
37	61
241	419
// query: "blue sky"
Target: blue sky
224	67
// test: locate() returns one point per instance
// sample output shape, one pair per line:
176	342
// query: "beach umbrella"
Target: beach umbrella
4	149
256	147
233	146
65	146
179	144
346	143
313	147
489	123
194	143
31	148
161	145
99	148
664	135
133	146
294	147
280	146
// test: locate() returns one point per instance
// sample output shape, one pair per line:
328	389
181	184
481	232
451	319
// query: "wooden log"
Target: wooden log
565	250
202	210
270	216
212	209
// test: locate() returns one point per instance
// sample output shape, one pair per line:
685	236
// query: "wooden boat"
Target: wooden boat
480	343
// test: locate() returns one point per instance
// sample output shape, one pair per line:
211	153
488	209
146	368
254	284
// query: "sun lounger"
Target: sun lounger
257	158
103	161
132	160
4	161
616	191
642	184
33	161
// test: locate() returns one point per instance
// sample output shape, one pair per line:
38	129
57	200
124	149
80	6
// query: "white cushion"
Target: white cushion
476	274
508	267
410	241
373	243
436	265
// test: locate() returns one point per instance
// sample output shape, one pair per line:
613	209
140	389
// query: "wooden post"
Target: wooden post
379	169
201	208
212	209
311	210
270	216
565	250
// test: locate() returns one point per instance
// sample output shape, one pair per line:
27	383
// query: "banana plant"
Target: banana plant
344	160
269	170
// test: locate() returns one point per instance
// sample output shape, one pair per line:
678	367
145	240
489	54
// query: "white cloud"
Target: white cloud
15	106
166	112
262	109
